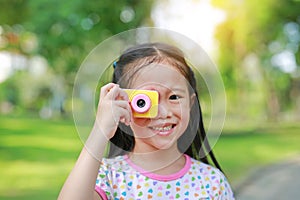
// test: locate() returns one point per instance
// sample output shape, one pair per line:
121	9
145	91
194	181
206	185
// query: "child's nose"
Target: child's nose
163	111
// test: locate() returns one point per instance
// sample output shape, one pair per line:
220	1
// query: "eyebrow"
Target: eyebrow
178	89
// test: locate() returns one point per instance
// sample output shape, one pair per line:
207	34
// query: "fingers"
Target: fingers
123	95
125	111
125	116
114	92
106	89
123	104
113	98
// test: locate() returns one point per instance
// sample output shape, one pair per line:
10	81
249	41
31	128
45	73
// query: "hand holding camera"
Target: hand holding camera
113	106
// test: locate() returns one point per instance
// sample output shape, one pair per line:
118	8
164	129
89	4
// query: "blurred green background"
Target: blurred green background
43	43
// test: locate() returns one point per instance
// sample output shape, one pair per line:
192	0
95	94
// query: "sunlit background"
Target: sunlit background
255	45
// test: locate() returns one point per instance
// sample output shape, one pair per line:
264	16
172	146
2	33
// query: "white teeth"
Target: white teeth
166	128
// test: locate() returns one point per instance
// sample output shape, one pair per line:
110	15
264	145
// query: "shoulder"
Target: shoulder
117	163
110	169
113	160
208	174
212	178
204	168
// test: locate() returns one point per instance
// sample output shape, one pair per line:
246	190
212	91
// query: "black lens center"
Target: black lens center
141	103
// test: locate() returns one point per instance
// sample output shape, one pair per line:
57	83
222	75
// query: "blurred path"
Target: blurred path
277	182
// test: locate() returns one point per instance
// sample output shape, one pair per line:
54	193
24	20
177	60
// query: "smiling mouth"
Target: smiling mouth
163	130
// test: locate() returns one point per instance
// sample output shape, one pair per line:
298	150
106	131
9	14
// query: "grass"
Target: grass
37	155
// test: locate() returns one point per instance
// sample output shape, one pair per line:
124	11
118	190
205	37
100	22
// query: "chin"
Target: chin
166	145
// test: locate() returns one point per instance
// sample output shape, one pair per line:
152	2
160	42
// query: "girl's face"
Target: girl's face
173	116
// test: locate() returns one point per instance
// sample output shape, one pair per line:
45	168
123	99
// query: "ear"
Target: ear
192	100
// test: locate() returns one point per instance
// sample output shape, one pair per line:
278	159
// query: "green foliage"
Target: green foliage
63	32
27	92
13	11
68	30
264	29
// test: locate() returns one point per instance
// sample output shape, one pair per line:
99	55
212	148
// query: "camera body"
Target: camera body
144	103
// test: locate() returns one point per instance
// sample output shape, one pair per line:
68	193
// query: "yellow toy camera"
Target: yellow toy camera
144	103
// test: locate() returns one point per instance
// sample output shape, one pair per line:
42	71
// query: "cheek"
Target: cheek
138	126
182	110
185	118
184	115
137	123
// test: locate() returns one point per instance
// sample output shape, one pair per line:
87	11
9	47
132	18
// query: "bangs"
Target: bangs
132	70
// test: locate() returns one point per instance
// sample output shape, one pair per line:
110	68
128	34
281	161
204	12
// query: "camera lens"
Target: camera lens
141	103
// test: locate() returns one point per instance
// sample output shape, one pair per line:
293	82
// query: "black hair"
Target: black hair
142	55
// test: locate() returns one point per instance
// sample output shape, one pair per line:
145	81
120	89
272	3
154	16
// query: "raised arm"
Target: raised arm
113	107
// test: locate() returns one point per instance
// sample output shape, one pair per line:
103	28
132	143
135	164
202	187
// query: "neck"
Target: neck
163	161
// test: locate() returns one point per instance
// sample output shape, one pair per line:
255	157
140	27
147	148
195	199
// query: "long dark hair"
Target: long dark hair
140	56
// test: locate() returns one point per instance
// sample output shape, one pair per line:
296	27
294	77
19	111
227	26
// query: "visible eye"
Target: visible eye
174	97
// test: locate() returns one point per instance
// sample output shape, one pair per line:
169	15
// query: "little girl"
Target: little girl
160	157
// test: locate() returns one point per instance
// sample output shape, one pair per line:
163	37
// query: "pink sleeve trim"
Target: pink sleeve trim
101	193
159	177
